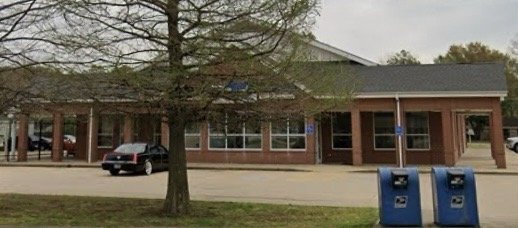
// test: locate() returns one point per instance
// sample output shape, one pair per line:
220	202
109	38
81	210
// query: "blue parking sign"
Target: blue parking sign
310	129
399	130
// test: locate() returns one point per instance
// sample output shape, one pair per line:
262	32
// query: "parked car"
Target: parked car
31	145
69	144
136	157
70	138
37	142
512	143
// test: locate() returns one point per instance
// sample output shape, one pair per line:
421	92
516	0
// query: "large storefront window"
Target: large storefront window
105	132
384	135
417	135
341	129
288	134
235	135
192	136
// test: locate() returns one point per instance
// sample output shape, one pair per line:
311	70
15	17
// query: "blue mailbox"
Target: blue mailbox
454	197
398	196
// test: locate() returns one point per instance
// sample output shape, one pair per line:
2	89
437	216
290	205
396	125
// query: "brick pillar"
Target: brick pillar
92	136
311	141
128	128
81	137
164	132
204	137
447	137
497	135
23	131
356	136
57	137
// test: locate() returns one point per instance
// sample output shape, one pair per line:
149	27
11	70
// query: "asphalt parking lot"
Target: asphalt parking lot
329	187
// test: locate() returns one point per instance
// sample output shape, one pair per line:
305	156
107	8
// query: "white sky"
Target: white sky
375	29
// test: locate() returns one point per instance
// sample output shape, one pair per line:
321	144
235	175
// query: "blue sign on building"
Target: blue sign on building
399	130
237	86
310	129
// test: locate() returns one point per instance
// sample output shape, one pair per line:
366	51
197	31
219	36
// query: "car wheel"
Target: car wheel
148	167
516	148
114	172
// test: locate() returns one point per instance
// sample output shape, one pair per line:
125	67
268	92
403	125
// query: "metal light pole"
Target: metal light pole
399	132
12	128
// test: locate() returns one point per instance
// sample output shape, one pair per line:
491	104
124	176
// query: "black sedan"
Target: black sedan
136	157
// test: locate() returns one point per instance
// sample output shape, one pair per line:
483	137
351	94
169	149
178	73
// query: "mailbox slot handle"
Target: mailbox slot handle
399	178
456	178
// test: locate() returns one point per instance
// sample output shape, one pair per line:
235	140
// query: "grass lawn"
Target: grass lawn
45	210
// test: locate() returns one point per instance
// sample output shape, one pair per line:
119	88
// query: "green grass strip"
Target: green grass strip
44	210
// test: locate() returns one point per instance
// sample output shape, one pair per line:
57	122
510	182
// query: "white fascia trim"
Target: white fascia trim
437	94
343	53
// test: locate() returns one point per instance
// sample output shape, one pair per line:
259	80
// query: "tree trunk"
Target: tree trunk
177	198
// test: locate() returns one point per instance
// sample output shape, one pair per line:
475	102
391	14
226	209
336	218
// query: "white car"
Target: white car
512	143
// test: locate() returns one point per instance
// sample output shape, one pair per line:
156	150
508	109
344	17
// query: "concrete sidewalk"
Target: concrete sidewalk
478	157
319	168
326	186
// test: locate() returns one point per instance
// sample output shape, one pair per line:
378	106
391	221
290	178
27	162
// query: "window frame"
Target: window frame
104	134
333	134
383	134
193	135
427	133
288	135
242	135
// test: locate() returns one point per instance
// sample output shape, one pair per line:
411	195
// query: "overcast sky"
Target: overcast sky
375	29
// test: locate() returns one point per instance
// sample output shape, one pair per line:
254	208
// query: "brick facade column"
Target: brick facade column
81	137
92	136
204	137
497	135
128	128
311	141
57	137
356	129
164	132
447	137
265	137
23	131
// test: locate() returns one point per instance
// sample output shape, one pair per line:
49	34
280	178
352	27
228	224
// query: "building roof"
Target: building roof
431	80
347	55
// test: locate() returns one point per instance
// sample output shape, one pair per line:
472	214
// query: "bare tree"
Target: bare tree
196	59
19	47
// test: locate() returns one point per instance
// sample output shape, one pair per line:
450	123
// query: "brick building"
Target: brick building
430	102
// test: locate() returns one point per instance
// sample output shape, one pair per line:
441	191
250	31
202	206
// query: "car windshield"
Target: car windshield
131	148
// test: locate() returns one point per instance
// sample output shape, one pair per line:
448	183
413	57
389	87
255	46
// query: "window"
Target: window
384	135
157	131
136	128
288	134
192	136
235	135
417	135
341	130
105	132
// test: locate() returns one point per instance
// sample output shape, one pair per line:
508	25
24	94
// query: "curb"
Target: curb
273	169
480	172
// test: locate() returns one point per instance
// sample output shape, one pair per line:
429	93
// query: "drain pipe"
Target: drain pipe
399	134
90	132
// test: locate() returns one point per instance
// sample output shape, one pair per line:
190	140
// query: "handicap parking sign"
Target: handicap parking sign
310	129
399	130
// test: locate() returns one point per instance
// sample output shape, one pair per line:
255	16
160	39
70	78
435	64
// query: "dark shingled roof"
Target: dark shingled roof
432	78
